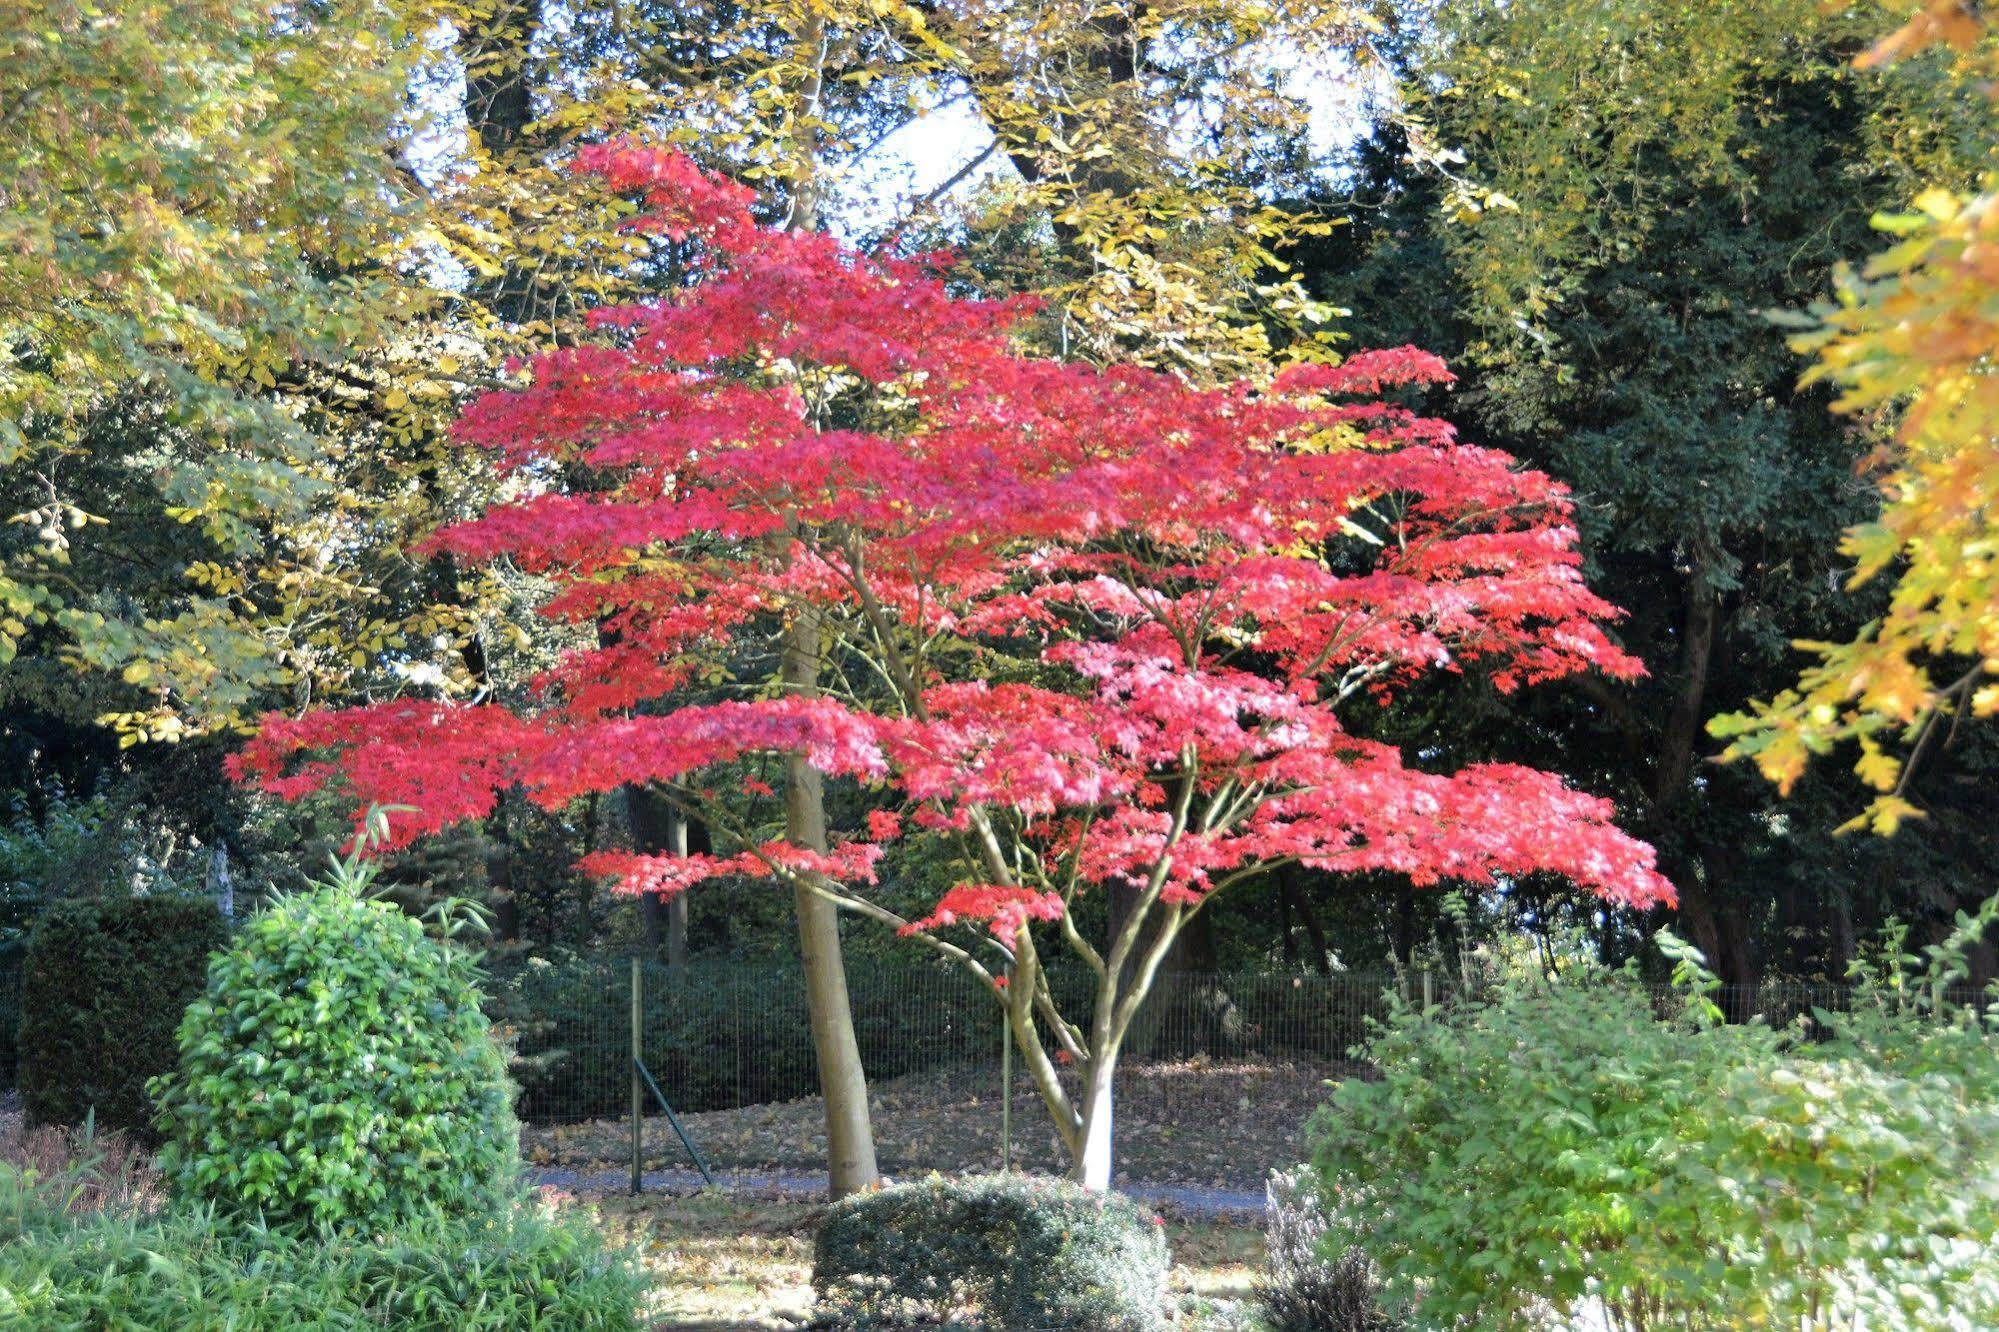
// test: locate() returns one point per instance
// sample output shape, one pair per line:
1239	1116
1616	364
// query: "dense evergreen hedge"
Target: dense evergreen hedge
104	983
721	1033
10	1010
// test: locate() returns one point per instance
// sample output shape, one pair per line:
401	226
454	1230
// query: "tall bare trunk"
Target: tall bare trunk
1720	929
1294	890
850	1140
1713	918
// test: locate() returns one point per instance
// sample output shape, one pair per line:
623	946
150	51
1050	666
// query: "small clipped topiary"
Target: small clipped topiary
103	985
338	1072
1017	1251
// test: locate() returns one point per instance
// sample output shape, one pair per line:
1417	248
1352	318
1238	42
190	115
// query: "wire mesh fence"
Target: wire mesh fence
728	1036
1217	1079
1242	1058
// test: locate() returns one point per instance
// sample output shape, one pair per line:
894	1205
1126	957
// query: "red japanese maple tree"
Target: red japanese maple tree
1101	622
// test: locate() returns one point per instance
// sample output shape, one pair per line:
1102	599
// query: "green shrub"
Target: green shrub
506	1272
1022	1253
338	1072
103	986
1557	1145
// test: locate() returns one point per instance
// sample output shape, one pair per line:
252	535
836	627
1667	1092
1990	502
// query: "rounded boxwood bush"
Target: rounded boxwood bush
103	986
338	1072
1019	1251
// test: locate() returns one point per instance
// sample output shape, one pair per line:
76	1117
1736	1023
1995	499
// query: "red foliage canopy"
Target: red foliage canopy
1111	614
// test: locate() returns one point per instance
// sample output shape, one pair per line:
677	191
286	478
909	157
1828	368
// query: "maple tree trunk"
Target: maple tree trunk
1144	942
1094	1156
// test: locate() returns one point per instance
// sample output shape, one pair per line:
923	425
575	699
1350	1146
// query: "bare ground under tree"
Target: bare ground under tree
1220	1124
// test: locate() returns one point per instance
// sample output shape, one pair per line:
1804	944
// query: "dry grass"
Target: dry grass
83	1172
719	1261
728	1262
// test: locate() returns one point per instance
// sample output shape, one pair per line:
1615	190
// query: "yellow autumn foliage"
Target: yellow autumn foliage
1913	338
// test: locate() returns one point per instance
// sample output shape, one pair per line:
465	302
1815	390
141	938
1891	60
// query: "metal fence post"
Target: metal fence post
638	1086
1429	990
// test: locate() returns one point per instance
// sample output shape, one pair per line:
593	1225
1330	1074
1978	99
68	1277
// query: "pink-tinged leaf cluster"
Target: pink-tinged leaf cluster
1006	909
1109	617
666	875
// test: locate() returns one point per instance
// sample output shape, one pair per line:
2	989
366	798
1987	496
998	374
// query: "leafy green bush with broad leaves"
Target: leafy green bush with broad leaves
103	985
338	1072
1022	1253
508	1271
1560	1144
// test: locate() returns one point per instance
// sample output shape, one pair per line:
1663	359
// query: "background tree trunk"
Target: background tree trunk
1716	923
658	826
850	1141
676	906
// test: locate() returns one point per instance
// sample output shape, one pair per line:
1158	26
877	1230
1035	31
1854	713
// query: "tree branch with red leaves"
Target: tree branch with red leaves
1107	617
